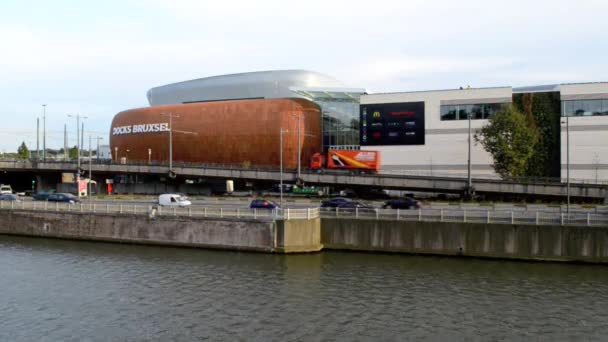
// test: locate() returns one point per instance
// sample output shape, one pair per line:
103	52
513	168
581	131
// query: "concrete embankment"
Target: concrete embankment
524	242
512	241
264	235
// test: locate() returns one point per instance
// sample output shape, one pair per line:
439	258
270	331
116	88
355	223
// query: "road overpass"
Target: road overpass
435	184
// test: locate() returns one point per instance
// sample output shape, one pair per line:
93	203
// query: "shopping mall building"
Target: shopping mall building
244	118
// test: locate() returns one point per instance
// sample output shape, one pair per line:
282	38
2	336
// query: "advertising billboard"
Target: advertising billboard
392	124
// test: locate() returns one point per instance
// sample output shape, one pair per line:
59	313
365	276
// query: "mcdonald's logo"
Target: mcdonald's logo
376	115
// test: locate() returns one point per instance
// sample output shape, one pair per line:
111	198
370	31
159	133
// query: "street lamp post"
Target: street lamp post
90	170
44	132
38	138
568	166
469	180
299	116
97	151
170	116
281	132
78	138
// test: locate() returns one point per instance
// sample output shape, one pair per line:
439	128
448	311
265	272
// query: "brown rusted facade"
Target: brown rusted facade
243	132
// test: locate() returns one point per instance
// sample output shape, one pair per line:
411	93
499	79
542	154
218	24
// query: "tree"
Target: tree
543	110
73	153
511	140
22	151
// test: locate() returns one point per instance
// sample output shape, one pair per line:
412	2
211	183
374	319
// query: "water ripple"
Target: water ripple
59	290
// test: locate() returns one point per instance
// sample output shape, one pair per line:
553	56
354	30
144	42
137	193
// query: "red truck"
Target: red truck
367	161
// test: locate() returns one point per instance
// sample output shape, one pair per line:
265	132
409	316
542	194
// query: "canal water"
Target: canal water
53	290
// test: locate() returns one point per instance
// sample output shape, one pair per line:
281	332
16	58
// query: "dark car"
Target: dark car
263	204
42	195
335	202
354	205
9	197
67	198
402	203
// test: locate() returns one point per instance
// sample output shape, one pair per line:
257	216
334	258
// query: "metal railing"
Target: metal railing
538	218
154	210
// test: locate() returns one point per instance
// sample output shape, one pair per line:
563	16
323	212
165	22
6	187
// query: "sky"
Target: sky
97	58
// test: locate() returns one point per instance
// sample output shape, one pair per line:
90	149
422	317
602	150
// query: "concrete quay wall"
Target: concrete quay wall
235	234
524	242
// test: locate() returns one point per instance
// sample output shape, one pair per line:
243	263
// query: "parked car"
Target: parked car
402	203
61	197
9	197
355	205
173	200
42	195
335	202
263	204
6	189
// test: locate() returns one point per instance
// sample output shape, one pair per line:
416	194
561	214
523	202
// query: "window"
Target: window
448	113
477	111
585	107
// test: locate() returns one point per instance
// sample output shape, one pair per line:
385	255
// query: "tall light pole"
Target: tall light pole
90	169
281	132
299	116
78	137
568	166
65	142
97	151
469	180
38	138
567	160
170	116
44	132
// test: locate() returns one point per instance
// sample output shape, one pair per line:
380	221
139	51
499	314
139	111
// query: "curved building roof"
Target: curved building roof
251	85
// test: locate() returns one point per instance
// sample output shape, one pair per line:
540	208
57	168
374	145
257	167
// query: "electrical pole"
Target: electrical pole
44	132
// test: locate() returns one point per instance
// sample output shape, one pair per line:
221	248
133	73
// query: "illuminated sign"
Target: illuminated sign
394	124
142	128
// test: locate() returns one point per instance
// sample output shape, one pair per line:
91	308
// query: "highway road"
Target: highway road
291	202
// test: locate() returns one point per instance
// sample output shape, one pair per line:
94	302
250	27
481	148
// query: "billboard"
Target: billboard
392	124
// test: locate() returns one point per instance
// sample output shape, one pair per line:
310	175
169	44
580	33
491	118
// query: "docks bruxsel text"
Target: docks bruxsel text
143	128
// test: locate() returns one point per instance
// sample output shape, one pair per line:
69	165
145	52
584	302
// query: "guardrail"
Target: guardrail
538	218
389	172
154	210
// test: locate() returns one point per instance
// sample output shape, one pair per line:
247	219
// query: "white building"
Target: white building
427	131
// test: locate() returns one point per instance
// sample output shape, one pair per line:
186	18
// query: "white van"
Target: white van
6	189
173	200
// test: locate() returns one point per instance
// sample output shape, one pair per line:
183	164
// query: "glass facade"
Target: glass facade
477	111
340	123
585	107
